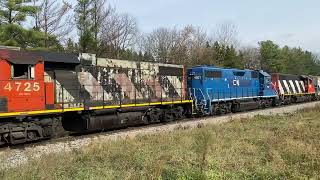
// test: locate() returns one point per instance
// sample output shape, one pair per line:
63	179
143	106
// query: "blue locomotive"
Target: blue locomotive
220	90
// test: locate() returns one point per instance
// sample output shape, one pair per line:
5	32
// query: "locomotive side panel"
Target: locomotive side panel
215	84
288	84
123	82
124	93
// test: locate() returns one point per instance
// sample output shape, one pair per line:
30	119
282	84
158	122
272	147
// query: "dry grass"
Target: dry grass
275	147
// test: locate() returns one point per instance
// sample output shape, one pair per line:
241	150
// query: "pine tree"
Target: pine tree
85	25
270	57
12	14
15	11
71	46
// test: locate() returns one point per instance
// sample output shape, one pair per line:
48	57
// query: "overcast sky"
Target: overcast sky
292	22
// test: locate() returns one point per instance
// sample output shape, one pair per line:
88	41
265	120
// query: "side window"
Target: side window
268	80
22	71
213	74
239	73
254	75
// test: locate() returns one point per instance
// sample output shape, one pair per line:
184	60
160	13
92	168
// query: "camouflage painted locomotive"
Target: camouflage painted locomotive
40	90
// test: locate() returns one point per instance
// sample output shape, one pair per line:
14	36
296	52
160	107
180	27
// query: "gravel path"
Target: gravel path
14	157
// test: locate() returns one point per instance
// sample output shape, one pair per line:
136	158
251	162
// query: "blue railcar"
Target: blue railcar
222	90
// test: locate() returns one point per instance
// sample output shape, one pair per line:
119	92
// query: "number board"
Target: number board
21	88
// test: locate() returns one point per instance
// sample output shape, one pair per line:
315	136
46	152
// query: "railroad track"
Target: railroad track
16	155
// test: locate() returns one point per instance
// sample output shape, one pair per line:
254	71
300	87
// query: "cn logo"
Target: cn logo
236	82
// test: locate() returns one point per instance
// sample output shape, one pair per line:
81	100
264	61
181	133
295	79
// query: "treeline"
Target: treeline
94	26
287	60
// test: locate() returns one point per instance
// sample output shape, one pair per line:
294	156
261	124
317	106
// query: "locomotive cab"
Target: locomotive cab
21	82
266	86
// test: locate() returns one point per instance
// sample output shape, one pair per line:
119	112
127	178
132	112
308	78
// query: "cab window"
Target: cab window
239	73
22	71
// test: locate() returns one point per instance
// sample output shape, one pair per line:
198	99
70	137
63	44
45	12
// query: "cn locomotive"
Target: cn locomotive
42	93
218	90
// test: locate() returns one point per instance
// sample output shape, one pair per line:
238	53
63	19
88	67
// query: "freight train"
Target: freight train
43	92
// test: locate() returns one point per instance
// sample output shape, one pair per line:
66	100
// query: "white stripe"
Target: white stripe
302	84
298	86
280	88
242	98
293	87
62	94
174	80
286	85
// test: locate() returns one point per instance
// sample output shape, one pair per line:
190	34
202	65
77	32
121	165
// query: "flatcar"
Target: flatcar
219	90
42	91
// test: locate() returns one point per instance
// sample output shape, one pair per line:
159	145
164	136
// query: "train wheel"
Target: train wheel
179	114
168	117
267	104
32	136
235	107
152	116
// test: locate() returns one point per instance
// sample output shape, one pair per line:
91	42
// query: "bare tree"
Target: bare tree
177	46
160	43
227	34
199	41
119	31
252	57
52	18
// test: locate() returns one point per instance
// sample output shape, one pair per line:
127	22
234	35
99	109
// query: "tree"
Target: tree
160	43
12	14
231	59
185	46
51	18
251	57
219	53
191	45
99	15
119	32
15	11
85	25
270	60
227	34
287	60
71	47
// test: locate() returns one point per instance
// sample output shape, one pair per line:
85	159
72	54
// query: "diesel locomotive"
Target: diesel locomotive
44	93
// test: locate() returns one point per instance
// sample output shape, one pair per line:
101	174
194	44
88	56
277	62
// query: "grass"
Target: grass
264	147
